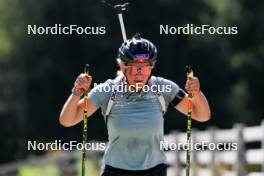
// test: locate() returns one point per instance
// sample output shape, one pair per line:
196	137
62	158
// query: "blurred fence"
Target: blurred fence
247	160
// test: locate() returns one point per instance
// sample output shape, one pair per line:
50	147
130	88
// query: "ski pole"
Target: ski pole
119	8
189	72
85	117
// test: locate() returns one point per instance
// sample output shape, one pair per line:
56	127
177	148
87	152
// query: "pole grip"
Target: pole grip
85	98
189	72
86	69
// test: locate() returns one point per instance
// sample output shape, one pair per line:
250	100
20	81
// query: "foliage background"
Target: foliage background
37	71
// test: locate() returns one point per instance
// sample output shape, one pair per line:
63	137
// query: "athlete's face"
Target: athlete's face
137	74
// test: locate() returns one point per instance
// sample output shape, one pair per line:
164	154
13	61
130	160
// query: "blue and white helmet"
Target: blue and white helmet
138	49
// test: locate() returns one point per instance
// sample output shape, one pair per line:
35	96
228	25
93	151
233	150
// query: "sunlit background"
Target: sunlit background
37	73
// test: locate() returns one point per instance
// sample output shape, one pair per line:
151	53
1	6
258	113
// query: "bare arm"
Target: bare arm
72	111
201	110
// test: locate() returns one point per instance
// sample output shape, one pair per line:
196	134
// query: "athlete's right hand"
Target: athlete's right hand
82	84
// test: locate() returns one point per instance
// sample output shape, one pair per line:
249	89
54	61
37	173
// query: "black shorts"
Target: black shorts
159	170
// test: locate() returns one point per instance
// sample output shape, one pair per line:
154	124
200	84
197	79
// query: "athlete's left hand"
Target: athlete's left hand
192	86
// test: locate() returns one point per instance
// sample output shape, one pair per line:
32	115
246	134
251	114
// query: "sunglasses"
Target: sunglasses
144	70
